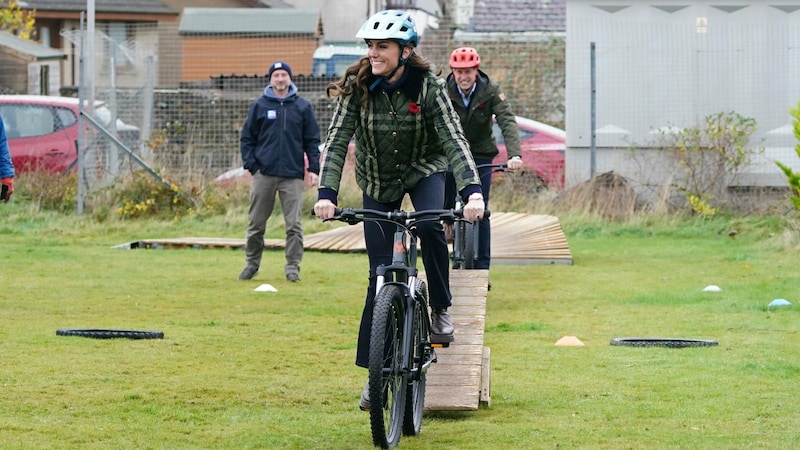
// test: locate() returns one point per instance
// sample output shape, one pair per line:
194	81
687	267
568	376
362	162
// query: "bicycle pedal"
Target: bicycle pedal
441	340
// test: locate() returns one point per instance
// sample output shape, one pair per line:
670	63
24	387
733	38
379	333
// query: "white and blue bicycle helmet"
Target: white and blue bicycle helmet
390	24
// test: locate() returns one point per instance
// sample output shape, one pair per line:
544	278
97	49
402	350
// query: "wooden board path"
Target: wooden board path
459	380
517	238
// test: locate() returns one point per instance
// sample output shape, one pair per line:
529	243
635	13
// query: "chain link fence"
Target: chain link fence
178	100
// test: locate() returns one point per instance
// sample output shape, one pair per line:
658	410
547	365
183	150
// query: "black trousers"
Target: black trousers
427	194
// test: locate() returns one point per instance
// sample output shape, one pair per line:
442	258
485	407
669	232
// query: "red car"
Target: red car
543	148
42	130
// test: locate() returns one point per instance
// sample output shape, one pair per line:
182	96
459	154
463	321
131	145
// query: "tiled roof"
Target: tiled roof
249	20
275	3
34	49
519	15
103	6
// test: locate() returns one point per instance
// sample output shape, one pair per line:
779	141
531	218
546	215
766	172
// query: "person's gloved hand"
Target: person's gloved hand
7	189
473	210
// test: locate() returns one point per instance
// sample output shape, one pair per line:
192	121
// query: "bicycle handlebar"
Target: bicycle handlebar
353	216
500	167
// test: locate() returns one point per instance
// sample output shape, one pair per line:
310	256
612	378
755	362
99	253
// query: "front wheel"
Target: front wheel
387	376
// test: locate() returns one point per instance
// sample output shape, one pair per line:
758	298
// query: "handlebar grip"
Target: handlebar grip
336	212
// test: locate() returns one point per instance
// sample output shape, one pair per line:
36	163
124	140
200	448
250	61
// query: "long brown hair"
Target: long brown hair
361	72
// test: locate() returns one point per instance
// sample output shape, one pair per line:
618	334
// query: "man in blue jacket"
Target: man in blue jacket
6	167
280	132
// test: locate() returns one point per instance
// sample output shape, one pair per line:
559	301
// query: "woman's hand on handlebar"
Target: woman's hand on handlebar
324	209
473	210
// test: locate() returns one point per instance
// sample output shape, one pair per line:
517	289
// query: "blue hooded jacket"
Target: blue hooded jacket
277	133
6	167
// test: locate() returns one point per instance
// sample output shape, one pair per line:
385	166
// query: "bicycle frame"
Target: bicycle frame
461	254
404	273
465	235
400	347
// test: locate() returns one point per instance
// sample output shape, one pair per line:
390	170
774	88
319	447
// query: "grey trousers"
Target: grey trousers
262	203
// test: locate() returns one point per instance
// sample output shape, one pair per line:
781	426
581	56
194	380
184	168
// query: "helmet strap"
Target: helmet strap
401	62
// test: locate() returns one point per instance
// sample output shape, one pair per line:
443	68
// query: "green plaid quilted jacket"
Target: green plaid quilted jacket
402	136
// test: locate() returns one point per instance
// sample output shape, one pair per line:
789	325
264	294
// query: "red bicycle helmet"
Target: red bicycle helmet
464	58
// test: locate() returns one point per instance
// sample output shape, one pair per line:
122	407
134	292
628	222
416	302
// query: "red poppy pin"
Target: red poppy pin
482	105
413	108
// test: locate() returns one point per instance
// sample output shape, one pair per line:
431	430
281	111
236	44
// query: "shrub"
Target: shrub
48	191
792	177
709	157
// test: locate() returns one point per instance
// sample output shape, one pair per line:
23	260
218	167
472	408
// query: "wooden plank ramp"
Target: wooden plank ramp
517	238
459	380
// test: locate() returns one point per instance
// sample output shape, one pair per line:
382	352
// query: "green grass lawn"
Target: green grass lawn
245	369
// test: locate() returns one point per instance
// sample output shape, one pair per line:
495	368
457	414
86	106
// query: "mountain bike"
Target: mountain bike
400	349
465	234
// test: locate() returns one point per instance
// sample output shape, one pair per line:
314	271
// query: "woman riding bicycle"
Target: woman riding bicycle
406	135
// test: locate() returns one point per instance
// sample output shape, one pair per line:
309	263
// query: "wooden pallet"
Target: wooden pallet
460	379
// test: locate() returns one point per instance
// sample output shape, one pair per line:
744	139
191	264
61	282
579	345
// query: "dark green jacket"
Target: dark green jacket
487	100
402	137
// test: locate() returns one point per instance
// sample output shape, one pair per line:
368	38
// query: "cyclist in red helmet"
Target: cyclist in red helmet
476	99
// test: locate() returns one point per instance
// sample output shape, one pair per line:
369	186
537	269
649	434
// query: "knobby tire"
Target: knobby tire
463	246
387	377
469	245
415	396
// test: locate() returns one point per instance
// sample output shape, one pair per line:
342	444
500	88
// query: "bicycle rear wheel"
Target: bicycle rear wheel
415	396
387	377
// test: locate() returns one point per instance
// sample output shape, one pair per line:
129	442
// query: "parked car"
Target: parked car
543	147
42	130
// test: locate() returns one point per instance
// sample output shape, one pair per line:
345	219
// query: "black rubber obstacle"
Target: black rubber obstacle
105	333
663	342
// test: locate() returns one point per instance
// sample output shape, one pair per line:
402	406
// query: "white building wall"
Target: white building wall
662	64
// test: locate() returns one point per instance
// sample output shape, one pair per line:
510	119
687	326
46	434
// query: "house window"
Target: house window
117	46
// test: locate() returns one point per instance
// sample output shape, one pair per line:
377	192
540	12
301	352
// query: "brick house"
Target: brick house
259	37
